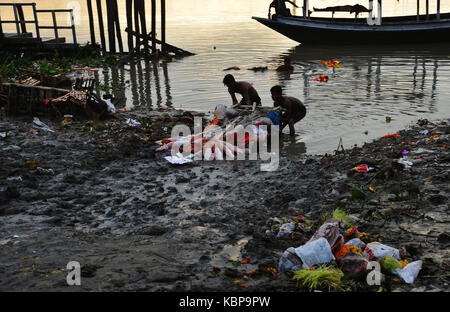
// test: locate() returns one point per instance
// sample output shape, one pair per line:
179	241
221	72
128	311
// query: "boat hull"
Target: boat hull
321	32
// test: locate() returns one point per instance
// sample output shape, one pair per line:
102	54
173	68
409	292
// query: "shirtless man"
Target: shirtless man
295	110
249	95
280	7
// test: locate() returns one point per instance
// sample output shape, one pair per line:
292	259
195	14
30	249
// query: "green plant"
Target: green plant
321	278
342	215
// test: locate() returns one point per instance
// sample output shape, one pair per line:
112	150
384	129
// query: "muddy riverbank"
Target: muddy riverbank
105	198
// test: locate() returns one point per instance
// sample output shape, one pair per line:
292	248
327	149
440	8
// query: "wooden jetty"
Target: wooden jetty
138	39
24	40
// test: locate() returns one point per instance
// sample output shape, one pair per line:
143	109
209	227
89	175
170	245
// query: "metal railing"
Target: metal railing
19	20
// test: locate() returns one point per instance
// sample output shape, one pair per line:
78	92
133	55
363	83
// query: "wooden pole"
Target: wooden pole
136	19
91	21
36	23
418	10
428	8
111	31
143	23
154	24
55	25
22	19
117	23
16	19
163	24
438	16
129	10
100	23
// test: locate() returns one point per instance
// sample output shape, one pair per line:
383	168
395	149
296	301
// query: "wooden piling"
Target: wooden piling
129	9
91	21
117	23
163	24
100	23
154	24
111	26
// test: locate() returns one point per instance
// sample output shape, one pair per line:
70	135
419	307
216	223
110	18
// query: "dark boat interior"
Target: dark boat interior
387	19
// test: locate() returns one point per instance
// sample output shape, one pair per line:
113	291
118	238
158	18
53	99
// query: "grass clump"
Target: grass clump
342	215
325	278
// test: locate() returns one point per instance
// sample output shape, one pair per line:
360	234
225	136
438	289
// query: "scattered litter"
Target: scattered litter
286	230
322	78
133	123
376	251
404	161
424	132
329	231
357	242
3	135
45	171
332	63
388	119
289	261
391	135
179	159
315	252
353	265
41	125
110	106
362	168
410	272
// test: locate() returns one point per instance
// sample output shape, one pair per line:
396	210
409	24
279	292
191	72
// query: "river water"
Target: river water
403	82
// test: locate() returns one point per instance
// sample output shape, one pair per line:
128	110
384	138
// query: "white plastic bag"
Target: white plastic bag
42	125
410	272
111	107
289	261
315	252
377	251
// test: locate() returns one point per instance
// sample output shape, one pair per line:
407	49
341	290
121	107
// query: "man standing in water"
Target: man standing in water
295	110
280	7
249	95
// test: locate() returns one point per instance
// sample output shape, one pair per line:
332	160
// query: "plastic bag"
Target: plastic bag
289	261
274	117
110	105
222	112
286	230
356	242
42	125
376	251
410	272
315	252
329	230
133	123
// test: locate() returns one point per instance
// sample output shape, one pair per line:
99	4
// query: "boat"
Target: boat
307	29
